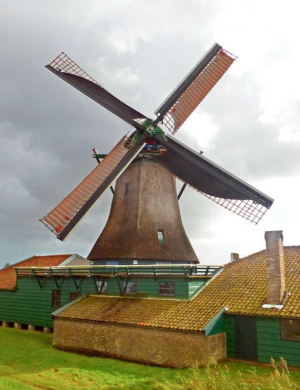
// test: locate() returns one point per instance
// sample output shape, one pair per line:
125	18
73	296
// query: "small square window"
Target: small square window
163	263
130	287
55	298
290	329
167	289
102	286
74	295
160	236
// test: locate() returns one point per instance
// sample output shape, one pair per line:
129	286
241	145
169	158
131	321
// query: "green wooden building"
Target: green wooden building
249	311
31	290
166	315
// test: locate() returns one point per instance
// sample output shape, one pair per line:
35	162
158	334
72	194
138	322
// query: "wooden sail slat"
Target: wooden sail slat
59	217
197	91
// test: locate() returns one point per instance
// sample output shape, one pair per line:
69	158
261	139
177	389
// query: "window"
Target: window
55	298
74	295
112	263
130	287
163	263
102	286
290	329
166	289
161	236
126	189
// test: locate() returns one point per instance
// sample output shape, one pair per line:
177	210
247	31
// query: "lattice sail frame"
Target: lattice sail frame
197	91
247	209
63	63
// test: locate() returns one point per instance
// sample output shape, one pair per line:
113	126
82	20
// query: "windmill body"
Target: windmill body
144	223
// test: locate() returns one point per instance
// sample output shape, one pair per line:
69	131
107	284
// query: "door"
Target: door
245	338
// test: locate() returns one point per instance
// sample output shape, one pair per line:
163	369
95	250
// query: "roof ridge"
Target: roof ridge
21	261
60	254
32	257
262	251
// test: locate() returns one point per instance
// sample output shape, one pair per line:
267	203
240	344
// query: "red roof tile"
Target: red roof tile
8	277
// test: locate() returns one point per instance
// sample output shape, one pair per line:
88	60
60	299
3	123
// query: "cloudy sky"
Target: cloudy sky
140	50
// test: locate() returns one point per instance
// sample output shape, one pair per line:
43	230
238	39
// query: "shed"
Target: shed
26	304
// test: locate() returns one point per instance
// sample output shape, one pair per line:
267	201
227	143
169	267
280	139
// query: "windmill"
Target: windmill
144	222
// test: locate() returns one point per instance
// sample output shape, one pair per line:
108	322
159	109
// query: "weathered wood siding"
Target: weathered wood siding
184	288
269	343
30	304
230	335
196	285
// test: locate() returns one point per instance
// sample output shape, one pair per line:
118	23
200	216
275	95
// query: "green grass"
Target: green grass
28	361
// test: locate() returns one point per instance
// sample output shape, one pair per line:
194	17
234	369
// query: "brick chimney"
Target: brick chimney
234	257
275	269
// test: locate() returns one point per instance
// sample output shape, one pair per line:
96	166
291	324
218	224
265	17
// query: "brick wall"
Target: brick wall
145	345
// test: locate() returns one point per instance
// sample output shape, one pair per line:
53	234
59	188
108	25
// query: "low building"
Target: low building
169	315
252	306
29	302
32	289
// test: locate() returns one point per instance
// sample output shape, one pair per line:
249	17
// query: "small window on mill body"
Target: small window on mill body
126	189
161	236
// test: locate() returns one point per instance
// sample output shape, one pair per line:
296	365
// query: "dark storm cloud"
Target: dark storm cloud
47	129
139	51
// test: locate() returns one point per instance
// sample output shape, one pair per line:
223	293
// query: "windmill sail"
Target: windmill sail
194	88
213	181
64	217
68	71
187	165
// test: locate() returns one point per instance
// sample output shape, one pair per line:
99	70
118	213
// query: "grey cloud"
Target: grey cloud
48	130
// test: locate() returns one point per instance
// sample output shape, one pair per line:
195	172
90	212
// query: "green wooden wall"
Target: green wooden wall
196	285
216	325
184	288
269	343
31	304
230	335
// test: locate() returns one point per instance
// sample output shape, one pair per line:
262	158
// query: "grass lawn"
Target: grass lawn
28	361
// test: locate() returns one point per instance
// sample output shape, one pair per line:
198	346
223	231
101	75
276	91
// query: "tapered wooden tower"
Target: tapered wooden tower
144	225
